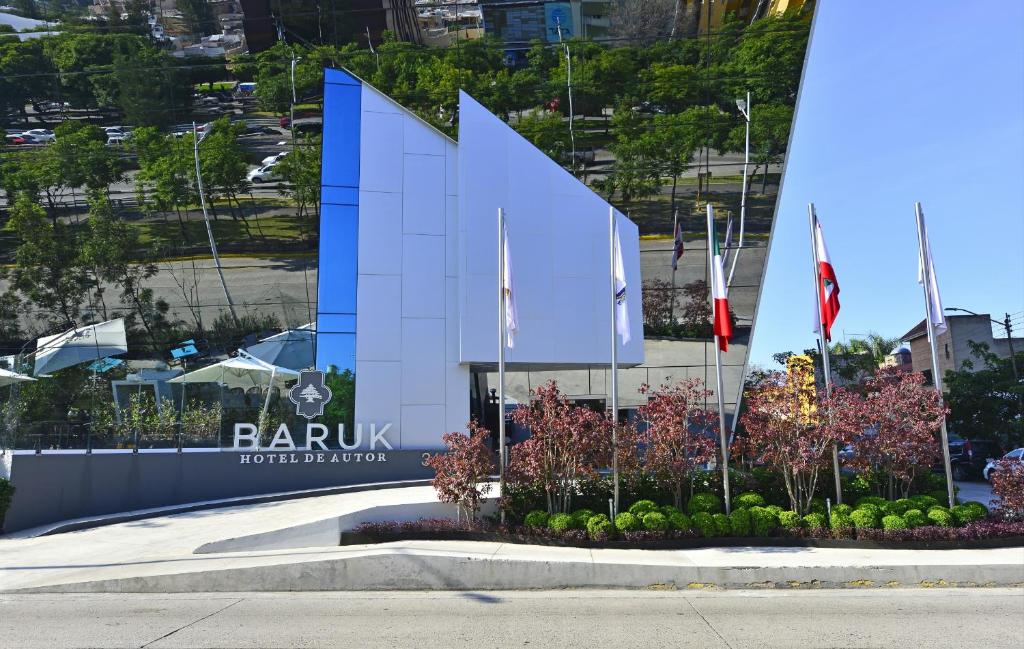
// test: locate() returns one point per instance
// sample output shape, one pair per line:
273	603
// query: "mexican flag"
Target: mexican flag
722	321
828	286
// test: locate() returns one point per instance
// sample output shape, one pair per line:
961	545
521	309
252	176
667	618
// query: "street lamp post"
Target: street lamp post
744	106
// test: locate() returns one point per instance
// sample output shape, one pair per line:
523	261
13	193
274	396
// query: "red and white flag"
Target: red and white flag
677	245
828	285
722	320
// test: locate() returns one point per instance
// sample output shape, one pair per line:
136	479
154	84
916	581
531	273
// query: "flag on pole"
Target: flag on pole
677	245
828	286
728	240
511	316
621	313
722	321
926	276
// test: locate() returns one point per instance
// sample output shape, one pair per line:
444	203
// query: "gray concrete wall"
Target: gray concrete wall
56	487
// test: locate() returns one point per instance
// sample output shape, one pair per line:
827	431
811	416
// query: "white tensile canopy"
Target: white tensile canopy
8	377
81	345
242	371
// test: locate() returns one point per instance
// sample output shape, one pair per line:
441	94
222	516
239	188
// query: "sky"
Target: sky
902	102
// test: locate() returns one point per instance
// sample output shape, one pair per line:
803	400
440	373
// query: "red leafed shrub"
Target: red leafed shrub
1008	484
461	472
567	444
679	434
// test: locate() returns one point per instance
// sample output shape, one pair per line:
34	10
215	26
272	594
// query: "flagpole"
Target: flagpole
720	392
675	262
501	356
936	375
823	343
615	363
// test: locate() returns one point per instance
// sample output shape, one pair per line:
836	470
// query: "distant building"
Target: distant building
519	22
954	344
710	16
899	358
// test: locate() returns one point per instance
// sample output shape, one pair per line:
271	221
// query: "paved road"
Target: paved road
564	619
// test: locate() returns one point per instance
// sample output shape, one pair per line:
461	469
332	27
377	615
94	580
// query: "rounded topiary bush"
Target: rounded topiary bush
561	522
915	518
789	520
877	501
775	509
924	502
840	521
941	497
818	506
641	507
843	509
940	516
536	518
679	521
580	518
748	499
655	522
902	505
864	519
980	510
722	527
599	527
704	502
704	523
815	521
894	522
626	522
763	520
668	510
874	510
740	523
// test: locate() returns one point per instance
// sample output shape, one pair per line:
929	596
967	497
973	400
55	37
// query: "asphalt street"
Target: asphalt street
923	619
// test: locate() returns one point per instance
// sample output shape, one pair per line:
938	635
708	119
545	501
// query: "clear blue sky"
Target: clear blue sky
901	102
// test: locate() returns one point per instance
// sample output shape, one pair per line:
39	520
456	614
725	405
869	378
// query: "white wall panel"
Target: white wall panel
374	101
378	318
380	152
423	288
423	198
422	426
380	233
451	168
378	399
423	364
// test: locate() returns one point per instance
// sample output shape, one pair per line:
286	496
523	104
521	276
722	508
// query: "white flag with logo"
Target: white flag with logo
511	317
621	312
926	275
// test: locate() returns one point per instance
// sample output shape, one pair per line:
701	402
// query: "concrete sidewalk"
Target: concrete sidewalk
158	555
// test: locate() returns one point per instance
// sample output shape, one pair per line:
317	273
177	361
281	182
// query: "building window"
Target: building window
947	351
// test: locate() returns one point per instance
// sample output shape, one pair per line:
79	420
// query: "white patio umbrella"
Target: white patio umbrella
292	348
242	371
81	345
8	377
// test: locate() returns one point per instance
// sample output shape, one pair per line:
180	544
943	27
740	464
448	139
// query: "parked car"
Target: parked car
14	140
271	159
40	134
309	125
967	457
50	106
263	174
116	139
991	467
284	122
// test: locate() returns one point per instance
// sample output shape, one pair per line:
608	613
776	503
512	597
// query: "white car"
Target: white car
1016	454
116	139
114	130
272	159
263	174
40	135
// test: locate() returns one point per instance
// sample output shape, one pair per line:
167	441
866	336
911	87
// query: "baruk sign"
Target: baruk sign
282	448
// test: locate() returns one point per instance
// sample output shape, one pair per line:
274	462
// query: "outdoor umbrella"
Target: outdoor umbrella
81	345
292	349
242	371
8	377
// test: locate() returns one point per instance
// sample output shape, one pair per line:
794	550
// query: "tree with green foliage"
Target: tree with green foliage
198	17
24	75
301	170
985	399
152	89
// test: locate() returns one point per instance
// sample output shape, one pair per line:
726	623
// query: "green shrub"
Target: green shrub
902	505
818	506
740	522
877	501
655	522
704	523
626	522
561	522
668	510
874	510
536	518
962	514
840	521
864	519
945	509
815	521
580	518
894	522
599	527
941	496
924	502
980	511
641	507
6	494
940	516
843	509
722	526
748	499
764	521
915	518
789	520
704	502
679	521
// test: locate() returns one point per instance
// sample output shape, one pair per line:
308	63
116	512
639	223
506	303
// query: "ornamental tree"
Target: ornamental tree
1008	484
792	427
676	433
462	471
567	444
901	417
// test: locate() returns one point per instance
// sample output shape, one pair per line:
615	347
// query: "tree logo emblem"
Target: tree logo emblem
310	394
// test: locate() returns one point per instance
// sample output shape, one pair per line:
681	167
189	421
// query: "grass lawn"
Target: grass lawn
217	85
228	232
